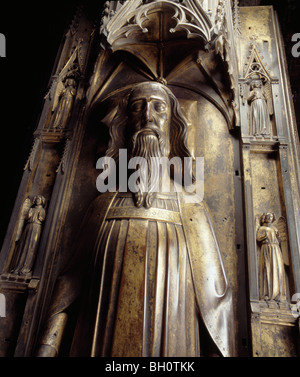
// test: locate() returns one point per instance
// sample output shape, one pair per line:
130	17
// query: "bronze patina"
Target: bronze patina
157	274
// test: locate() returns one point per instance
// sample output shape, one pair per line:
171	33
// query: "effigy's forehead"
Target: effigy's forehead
149	90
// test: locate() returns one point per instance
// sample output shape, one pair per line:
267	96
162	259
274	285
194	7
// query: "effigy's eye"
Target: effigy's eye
159	106
137	106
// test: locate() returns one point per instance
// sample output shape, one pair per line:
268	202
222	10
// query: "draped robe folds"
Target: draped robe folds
272	266
65	106
259	115
153	281
30	239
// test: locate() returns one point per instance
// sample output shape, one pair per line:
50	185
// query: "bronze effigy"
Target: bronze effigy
165	149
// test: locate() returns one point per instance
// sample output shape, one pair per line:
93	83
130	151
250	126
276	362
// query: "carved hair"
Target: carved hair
264	215
177	133
41	197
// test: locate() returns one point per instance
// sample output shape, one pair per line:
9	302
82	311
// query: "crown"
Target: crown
161	80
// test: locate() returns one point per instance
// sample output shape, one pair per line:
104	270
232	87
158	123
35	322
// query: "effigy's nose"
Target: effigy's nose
148	112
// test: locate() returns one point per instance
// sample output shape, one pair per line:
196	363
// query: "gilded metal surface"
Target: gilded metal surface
155	214
50	345
273	284
259	114
28	235
267	151
153	261
206	79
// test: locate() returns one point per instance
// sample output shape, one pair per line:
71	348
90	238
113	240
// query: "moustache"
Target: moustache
151	132
148	130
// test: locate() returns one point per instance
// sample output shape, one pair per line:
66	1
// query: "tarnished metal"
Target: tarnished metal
162	273
150	269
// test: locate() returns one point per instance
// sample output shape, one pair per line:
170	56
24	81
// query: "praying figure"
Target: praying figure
28	235
65	105
259	113
272	260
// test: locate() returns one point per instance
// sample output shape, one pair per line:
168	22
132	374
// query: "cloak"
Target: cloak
212	291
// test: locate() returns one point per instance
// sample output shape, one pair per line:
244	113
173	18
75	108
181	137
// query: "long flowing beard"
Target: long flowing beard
147	145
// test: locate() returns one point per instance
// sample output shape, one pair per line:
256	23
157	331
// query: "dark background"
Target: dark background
33	34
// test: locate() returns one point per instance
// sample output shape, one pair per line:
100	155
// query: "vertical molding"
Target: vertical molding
250	225
290	213
289	162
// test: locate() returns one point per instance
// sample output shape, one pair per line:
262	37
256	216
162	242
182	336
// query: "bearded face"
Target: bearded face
143	126
149	117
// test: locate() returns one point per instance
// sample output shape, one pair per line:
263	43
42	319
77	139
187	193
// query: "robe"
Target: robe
155	281
272	265
29	240
259	115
